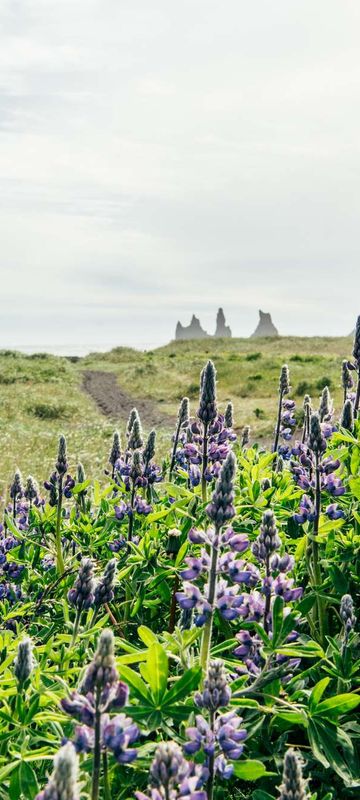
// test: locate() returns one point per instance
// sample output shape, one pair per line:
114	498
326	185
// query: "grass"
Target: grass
41	396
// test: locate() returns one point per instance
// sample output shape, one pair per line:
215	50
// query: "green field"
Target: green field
41	395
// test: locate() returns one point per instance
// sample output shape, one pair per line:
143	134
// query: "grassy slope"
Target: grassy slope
248	373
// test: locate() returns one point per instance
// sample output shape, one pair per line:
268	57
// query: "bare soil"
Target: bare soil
114	402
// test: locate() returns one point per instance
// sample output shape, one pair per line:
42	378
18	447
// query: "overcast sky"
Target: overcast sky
159	158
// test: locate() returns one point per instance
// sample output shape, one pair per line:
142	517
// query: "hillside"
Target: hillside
42	395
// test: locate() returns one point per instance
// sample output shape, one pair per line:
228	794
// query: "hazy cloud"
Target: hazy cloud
159	159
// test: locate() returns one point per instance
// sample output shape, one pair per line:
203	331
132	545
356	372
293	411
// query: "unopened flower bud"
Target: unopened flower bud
207	406
63	782
293	787
24	661
61	464
347	416
216	693
268	540
221	508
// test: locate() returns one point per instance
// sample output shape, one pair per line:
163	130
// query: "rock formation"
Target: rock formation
195	331
221	328
265	326
192	331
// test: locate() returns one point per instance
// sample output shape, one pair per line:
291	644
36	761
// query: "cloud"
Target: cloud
162	159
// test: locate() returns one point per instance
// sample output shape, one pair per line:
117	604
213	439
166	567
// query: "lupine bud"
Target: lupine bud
266	484
16	489
82	593
279	464
245	436
136	465
115	451
102	670
104	590
317	442
284	383
216	693
229	415
149	449
221	508
207	405
292	787
136	435
268	540
356	350
132	417
326	406
80	473
307	400
347	613
169	766
184	412
31	490
347	416
346	377
24	661
63	782
61	464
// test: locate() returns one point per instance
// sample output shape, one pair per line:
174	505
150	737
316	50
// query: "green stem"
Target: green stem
97	749
60	567
278	423
76	626
207	631
204	464
211	765
107	793
131	518
316	571
173	455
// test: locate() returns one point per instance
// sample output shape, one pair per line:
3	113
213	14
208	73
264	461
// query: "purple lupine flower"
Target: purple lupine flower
221	508
284	587
238	542
268	540
334	512
118	734
216	692
62	784
306	511
104	592
121	510
102	669
82	593
141	506
334	485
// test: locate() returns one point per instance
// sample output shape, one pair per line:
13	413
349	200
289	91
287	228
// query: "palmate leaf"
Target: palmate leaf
324	740
156	671
183	687
137	686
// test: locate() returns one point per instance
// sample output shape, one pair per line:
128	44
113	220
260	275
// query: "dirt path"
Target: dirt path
114	402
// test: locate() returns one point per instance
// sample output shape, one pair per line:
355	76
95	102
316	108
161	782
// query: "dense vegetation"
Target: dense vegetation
186	628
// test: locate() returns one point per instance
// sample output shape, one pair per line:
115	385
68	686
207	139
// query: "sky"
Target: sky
162	158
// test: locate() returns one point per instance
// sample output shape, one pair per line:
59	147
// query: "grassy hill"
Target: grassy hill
41	395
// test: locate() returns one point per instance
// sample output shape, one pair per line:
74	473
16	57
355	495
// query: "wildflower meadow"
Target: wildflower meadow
185	625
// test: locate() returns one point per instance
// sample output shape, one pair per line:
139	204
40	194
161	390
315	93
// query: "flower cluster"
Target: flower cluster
286	421
102	692
86	592
172	777
205	440
63	783
220	737
311	457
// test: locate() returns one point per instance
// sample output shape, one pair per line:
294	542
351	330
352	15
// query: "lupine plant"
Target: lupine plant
189	632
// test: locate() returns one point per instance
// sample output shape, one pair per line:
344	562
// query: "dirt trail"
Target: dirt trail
114	402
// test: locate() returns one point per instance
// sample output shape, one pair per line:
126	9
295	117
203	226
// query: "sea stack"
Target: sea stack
222	330
192	331
265	326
